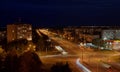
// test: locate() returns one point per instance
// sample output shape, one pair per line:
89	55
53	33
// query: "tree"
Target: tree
2	58
99	42
19	45
59	67
40	44
11	61
29	62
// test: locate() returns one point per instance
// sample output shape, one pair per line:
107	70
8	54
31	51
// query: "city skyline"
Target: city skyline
60	36
68	49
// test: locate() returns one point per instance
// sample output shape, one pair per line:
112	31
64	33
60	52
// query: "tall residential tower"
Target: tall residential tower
19	31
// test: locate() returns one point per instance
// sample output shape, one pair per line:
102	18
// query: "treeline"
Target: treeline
27	62
42	42
15	58
19	45
60	67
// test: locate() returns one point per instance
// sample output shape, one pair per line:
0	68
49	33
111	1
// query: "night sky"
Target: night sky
48	13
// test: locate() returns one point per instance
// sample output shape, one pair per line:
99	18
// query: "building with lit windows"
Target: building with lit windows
19	31
111	34
112	37
108	34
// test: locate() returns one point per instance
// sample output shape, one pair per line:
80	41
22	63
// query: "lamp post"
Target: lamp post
82	55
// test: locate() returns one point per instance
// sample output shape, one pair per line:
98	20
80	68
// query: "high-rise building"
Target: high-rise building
19	31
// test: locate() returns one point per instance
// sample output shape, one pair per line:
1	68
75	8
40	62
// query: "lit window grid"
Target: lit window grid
108	34
111	34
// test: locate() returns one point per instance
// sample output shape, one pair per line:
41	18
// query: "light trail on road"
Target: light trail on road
59	55
91	58
82	66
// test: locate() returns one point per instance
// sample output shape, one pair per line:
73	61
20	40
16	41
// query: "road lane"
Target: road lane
73	49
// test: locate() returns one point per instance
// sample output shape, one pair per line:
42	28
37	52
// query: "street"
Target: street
90	59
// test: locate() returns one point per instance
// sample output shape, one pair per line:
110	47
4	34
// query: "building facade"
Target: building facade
19	31
2	35
111	34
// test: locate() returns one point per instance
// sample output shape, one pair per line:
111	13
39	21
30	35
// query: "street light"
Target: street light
82	45
82	54
48	41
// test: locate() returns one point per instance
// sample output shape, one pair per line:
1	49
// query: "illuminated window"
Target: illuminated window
24	30
29	38
2	34
13	31
18	28
23	35
30	28
20	37
18	33
13	39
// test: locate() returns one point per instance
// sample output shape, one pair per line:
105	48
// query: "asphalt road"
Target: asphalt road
90	59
